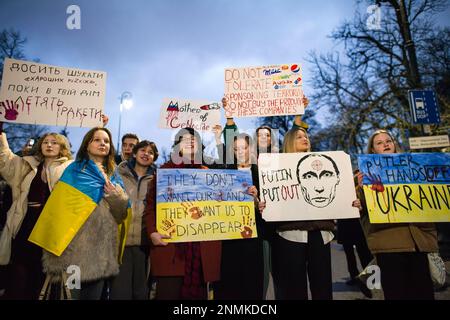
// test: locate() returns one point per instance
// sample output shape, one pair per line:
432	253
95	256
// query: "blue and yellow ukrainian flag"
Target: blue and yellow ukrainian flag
125	225
74	198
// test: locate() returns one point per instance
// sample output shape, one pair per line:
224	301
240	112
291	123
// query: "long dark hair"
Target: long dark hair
273	146
82	155
177	156
248	139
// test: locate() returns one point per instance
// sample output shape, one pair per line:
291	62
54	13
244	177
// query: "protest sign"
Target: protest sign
201	205
36	93
264	91
199	115
306	186
408	187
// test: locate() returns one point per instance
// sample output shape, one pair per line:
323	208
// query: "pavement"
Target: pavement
342	291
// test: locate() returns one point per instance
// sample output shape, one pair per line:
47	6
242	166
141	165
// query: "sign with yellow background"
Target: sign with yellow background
413	187
201	205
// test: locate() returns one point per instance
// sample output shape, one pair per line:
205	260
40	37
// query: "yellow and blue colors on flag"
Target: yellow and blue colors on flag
406	187
200	205
74	198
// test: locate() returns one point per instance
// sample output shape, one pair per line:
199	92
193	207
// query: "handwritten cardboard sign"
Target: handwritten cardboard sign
408	187
306	186
201	205
38	93
264	91
178	114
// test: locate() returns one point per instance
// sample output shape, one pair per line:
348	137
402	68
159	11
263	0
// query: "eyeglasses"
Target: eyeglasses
188	139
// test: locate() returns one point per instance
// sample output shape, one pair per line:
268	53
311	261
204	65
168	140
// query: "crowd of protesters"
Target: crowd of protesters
121	253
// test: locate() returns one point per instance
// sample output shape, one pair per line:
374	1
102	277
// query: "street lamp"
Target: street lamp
126	101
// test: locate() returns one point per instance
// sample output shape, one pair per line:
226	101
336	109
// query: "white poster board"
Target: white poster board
36	93
306	186
264	91
182	113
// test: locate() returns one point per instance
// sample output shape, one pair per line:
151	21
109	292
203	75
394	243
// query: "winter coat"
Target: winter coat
95	248
350	232
169	260
397	237
136	189
19	172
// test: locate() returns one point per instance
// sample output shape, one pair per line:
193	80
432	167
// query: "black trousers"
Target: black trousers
242	270
89	290
131	282
294	263
364	257
405	276
24	275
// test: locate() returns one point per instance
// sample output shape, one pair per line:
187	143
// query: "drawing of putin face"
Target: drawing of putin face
318	176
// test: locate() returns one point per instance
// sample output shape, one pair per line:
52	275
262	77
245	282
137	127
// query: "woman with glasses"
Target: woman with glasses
181	270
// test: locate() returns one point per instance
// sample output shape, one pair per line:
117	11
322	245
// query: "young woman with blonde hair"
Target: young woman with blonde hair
400	248
301	249
31	179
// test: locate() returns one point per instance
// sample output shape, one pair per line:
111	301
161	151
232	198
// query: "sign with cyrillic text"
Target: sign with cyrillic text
36	93
408	187
200	205
264	91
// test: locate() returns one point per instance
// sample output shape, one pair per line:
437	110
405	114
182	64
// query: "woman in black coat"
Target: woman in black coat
242	269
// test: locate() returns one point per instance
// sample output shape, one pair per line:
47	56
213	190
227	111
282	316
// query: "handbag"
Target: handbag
437	269
50	282
5	246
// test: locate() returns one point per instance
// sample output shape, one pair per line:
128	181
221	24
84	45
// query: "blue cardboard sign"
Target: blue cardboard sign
406	187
